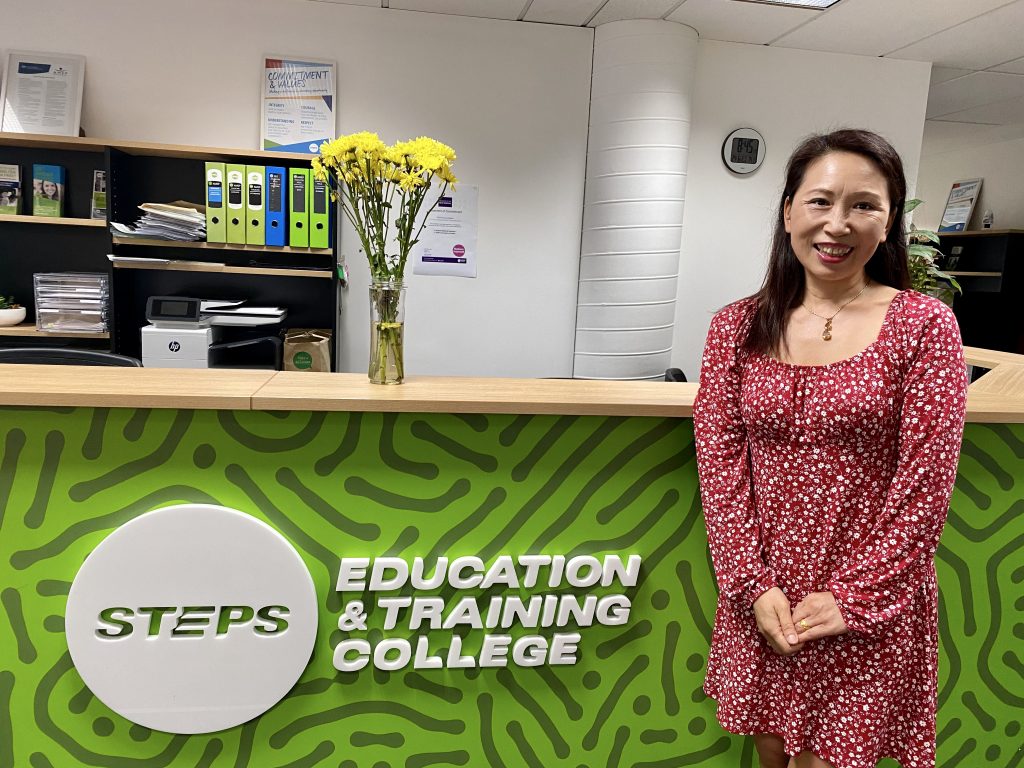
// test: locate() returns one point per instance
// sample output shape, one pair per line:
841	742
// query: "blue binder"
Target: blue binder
277	204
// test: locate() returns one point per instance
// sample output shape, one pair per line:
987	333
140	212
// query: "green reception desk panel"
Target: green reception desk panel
429	485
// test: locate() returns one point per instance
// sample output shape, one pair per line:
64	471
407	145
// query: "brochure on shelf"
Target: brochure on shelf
48	190
99	195
255	205
10	189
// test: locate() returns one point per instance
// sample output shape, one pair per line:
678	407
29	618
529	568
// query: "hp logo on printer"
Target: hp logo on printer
174	346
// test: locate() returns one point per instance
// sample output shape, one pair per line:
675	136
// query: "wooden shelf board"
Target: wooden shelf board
54	220
78	144
30	330
153	243
200	266
974	274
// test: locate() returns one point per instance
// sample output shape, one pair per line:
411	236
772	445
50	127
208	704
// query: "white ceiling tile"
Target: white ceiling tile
941	136
877	27
985	41
488	9
942	74
573	12
620	10
974	90
1016	66
737	22
1000	113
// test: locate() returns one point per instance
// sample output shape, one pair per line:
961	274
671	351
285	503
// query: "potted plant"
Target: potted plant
11	313
925	276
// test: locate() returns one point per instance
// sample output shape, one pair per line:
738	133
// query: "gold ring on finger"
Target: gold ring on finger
803	624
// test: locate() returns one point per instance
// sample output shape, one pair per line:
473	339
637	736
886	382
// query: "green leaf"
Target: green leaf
927	235
911	204
922	251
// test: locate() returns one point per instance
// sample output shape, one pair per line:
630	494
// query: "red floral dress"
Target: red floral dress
832	478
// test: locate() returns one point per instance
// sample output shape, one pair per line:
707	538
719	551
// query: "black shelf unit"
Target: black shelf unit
302	280
988	311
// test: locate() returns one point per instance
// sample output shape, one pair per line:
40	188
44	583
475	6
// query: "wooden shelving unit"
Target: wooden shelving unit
140	172
29	330
60	221
974	274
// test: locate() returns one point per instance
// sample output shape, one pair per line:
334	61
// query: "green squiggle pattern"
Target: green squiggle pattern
437	484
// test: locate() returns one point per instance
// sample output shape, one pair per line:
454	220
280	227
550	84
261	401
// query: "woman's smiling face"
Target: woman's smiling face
838	216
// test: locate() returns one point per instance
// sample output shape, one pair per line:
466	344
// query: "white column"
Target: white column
633	205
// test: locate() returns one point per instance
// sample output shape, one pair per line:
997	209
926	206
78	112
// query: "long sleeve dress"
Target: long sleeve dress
832	478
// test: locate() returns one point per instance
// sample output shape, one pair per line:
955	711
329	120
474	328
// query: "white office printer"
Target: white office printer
183	330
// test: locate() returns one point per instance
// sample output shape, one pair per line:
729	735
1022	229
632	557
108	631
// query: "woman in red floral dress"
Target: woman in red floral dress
828	427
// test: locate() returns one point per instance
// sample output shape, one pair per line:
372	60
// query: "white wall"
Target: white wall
786	95
1000	165
511	98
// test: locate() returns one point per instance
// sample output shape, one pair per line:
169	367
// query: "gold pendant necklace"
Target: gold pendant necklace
826	334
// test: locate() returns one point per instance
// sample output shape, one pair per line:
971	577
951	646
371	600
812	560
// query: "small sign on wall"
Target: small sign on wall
447	245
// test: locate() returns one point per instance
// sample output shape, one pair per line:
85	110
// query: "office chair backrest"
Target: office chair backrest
65	356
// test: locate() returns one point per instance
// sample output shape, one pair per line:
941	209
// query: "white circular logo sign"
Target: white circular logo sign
192	618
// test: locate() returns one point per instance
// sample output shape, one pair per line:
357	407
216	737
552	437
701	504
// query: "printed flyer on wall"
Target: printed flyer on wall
297	112
447	245
42	93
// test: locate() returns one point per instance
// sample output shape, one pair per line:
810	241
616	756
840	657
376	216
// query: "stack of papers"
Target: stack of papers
166	221
71	302
237	312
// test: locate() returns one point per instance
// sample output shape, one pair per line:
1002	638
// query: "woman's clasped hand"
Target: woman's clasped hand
787	630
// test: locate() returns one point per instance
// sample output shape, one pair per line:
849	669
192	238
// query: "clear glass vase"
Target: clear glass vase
387	332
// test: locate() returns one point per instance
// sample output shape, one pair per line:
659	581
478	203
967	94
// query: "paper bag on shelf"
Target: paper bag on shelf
307	349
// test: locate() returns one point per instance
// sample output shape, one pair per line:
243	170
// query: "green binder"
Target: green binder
216	228
236	204
320	216
255	205
298	207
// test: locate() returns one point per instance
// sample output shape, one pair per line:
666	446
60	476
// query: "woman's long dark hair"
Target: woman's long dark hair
783	287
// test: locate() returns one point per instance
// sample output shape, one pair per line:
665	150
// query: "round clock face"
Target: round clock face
743	151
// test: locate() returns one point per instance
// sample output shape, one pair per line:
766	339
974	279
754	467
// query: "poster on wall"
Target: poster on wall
960	205
447	244
42	93
297	99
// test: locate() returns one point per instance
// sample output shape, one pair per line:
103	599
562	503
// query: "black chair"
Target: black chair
675	374
65	356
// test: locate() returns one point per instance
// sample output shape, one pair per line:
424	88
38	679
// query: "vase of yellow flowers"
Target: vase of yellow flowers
381	190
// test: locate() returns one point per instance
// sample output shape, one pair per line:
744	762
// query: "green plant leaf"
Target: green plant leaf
927	235
922	251
910	205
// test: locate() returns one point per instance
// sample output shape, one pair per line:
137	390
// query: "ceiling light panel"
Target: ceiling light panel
820	5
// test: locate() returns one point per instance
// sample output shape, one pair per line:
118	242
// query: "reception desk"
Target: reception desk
436	468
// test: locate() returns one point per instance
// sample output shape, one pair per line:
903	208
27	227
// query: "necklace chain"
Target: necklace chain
826	334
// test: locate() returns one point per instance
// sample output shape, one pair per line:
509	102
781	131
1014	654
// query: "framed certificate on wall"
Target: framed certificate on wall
42	93
960	205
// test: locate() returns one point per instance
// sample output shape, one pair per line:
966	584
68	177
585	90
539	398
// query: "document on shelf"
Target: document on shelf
42	93
447	244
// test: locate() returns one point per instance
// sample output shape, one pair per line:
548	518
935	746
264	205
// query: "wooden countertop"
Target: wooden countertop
105	387
996	397
353	392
